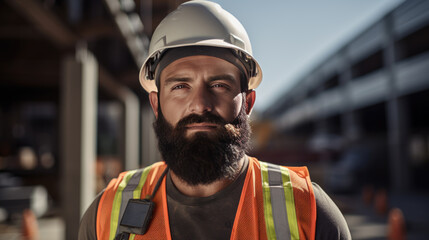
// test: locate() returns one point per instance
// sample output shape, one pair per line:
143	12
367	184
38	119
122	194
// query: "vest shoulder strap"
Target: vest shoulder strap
283	203
127	186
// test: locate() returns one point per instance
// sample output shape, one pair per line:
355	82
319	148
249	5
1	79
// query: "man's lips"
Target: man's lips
202	126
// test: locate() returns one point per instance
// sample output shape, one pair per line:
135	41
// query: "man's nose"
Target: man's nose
201	101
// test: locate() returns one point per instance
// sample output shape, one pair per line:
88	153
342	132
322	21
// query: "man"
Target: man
201	76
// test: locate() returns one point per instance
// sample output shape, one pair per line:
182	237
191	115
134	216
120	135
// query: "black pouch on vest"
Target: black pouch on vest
137	216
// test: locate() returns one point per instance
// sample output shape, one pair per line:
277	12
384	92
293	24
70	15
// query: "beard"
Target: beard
203	157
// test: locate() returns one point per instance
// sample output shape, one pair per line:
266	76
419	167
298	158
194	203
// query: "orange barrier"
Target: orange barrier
396	227
381	202
30	229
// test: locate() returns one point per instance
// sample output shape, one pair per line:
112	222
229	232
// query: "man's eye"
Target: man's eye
178	87
218	85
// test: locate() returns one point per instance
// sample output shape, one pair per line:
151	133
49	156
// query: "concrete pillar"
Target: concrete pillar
131	127
397	117
130	120
349	120
352	129
78	137
397	112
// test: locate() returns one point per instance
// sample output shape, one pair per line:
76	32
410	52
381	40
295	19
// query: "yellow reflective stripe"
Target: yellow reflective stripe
268	211
138	191
290	203
116	206
132	236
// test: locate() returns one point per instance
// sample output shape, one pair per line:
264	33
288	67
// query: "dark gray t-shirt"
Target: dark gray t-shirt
213	217
204	217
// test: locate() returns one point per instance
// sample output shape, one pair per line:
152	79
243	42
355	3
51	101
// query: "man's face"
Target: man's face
202	124
199	84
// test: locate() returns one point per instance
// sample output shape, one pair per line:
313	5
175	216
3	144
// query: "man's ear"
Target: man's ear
250	101
153	98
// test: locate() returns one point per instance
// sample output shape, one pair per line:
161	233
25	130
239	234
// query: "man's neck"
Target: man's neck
205	190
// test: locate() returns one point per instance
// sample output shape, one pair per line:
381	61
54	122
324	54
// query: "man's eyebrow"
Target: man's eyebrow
228	77
172	80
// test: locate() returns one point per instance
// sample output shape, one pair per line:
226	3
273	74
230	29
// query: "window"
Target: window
413	44
368	64
332	82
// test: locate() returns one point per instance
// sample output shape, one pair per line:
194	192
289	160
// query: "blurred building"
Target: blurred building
368	101
70	101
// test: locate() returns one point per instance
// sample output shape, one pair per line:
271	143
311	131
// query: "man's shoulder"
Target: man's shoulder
330	223
87	226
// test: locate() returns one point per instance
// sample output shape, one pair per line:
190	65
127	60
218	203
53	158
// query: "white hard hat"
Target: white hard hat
199	23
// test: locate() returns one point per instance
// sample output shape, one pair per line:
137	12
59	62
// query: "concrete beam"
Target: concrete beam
45	21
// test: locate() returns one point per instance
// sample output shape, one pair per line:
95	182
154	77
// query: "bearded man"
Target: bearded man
201	76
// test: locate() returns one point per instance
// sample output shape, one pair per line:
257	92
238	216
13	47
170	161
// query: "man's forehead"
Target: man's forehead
171	55
206	62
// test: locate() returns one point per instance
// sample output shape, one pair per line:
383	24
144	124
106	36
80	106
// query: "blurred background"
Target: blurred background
345	92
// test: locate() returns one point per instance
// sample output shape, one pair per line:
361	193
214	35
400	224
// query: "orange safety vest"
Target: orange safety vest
276	203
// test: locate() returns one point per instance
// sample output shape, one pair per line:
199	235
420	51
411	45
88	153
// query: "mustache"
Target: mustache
206	117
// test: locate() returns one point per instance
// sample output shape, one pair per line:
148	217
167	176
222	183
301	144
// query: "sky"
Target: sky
290	37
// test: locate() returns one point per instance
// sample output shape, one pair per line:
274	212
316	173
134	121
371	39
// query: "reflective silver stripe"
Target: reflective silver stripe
278	200
127	194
